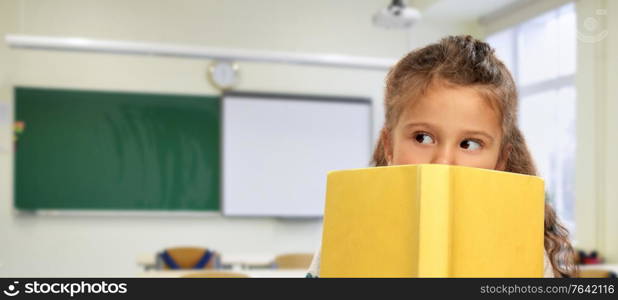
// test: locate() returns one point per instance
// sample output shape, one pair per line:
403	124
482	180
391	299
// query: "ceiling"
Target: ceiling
458	10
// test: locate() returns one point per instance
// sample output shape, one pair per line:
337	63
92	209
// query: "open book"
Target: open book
432	221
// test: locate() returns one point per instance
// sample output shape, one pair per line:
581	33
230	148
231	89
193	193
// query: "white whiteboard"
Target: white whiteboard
277	150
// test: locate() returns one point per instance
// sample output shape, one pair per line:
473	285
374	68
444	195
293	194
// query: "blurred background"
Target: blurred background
561	53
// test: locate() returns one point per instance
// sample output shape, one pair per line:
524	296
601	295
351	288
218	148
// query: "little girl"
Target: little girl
455	103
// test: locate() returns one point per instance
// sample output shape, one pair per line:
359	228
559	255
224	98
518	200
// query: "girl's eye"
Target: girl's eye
470	145
423	138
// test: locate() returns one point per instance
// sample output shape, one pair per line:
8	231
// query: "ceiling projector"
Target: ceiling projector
396	16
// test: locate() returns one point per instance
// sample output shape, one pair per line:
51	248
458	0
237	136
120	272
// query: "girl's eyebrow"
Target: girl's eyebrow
465	132
418	124
482	133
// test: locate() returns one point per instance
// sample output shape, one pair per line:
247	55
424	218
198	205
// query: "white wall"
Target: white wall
597	129
430	30
108	246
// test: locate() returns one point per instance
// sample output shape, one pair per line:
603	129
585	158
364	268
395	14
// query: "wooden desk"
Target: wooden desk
265	273
608	267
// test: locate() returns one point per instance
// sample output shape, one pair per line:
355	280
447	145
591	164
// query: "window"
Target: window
541	54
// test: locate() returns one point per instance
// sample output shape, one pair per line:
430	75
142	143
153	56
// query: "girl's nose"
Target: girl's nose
443	155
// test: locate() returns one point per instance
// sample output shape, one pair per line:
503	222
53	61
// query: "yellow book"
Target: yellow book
432	221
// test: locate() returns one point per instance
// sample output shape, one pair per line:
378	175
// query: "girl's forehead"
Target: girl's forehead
453	106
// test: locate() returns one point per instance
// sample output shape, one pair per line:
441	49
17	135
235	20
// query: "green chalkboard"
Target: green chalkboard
95	150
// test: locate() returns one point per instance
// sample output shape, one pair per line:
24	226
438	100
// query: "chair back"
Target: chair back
293	261
189	258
